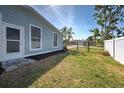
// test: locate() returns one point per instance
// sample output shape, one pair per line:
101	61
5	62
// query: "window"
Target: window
55	40
13	39
35	37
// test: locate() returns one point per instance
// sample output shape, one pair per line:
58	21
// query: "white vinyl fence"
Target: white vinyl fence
116	48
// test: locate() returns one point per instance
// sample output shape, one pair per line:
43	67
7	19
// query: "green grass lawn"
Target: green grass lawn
83	69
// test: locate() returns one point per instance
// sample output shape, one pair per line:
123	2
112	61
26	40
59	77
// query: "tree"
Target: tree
70	33
67	34
120	32
89	40
95	32
108	17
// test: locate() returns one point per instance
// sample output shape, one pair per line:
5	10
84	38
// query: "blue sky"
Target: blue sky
78	17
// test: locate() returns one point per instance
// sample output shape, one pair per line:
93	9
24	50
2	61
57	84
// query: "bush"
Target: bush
105	53
73	52
1	69
65	49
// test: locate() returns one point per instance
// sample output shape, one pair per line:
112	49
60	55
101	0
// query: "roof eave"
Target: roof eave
29	7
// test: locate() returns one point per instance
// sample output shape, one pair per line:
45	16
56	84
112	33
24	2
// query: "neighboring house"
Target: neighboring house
74	42
24	32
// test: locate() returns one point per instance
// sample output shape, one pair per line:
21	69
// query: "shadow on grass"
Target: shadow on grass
24	76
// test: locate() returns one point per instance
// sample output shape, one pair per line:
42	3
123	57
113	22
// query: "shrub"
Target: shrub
105	53
73	52
1	69
65	48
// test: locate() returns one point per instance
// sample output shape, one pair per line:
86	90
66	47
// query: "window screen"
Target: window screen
35	37
55	40
13	39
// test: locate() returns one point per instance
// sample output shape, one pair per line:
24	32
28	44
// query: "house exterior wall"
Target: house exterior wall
24	17
0	33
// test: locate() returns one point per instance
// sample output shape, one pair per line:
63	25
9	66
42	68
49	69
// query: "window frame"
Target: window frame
30	39
13	40
53	40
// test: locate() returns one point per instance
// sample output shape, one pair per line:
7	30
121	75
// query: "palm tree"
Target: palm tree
70	34
95	32
89	40
67	34
64	32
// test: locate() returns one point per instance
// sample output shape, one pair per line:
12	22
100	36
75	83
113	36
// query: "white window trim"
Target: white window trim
32	49
53	40
6	55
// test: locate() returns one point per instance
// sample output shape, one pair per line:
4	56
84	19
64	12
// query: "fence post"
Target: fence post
113	48
77	46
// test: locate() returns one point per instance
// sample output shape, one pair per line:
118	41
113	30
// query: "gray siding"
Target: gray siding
24	17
